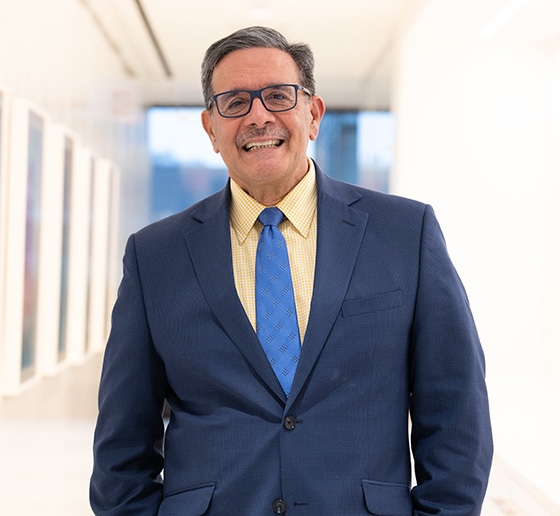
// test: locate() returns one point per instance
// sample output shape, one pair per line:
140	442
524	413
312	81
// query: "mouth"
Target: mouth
262	145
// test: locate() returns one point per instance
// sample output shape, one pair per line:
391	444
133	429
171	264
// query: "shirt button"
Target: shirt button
279	507
289	422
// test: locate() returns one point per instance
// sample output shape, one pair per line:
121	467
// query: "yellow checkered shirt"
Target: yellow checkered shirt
300	231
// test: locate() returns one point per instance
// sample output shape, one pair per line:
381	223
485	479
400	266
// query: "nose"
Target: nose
258	115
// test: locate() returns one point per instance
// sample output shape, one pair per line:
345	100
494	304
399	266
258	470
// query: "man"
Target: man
384	326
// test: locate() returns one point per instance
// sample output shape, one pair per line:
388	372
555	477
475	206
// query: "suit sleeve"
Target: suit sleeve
128	457
451	435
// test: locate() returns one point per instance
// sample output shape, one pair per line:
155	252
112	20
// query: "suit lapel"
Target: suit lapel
340	230
209	244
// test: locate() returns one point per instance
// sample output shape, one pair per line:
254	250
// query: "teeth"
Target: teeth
262	145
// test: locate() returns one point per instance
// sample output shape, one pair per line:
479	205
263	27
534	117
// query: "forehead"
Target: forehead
254	68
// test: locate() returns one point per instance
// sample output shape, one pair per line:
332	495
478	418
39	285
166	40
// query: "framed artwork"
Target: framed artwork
53	289
79	229
114	269
26	164
4	118
87	255
60	221
69	167
98	253
59	270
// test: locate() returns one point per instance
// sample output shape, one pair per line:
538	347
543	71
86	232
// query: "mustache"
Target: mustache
263	132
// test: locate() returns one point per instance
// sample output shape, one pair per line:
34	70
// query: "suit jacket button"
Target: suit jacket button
289	422
279	507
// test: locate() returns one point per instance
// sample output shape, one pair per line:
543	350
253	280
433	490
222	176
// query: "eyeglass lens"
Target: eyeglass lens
274	98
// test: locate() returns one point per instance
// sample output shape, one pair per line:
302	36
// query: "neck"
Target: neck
268	198
270	193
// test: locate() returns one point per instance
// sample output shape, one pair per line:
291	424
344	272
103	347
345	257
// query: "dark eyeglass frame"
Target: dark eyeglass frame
257	94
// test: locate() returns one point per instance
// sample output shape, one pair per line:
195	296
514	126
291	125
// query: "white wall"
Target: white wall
478	132
54	55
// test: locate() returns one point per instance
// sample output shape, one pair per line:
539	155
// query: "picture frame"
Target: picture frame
53	298
24	255
79	266
60	235
4	198
114	270
98	255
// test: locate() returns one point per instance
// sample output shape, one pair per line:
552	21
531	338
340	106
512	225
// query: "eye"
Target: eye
279	96
234	102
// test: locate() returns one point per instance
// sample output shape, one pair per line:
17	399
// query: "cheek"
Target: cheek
217	141
308	127
224	139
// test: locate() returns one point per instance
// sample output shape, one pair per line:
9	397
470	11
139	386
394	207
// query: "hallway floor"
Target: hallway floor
47	460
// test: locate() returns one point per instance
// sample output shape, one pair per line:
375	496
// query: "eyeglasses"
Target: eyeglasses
277	98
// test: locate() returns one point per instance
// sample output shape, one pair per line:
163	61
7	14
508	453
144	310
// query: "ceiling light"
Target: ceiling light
504	15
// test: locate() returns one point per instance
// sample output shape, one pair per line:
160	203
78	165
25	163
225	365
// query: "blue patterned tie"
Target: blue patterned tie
277	326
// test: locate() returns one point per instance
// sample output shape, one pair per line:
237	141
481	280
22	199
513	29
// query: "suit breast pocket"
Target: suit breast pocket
377	302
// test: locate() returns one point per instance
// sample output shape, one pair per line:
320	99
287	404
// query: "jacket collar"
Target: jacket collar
340	229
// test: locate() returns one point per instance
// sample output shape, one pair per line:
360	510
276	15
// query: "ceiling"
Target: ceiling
351	40
161	43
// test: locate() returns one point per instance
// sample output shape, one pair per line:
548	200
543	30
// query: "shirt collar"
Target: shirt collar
298	206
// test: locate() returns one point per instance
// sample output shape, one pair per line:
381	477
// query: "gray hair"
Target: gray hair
256	37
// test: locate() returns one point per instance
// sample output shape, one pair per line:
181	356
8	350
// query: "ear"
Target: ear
317	109
208	124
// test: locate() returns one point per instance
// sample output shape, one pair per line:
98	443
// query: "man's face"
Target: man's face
279	157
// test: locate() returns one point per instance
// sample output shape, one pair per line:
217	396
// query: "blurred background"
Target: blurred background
453	103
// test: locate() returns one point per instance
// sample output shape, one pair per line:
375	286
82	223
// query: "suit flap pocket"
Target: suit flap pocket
192	502
364	305
387	499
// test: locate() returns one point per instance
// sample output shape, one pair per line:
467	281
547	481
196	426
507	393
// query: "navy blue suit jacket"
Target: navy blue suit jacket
390	340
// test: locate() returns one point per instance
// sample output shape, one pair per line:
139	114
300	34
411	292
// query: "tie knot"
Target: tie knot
271	216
